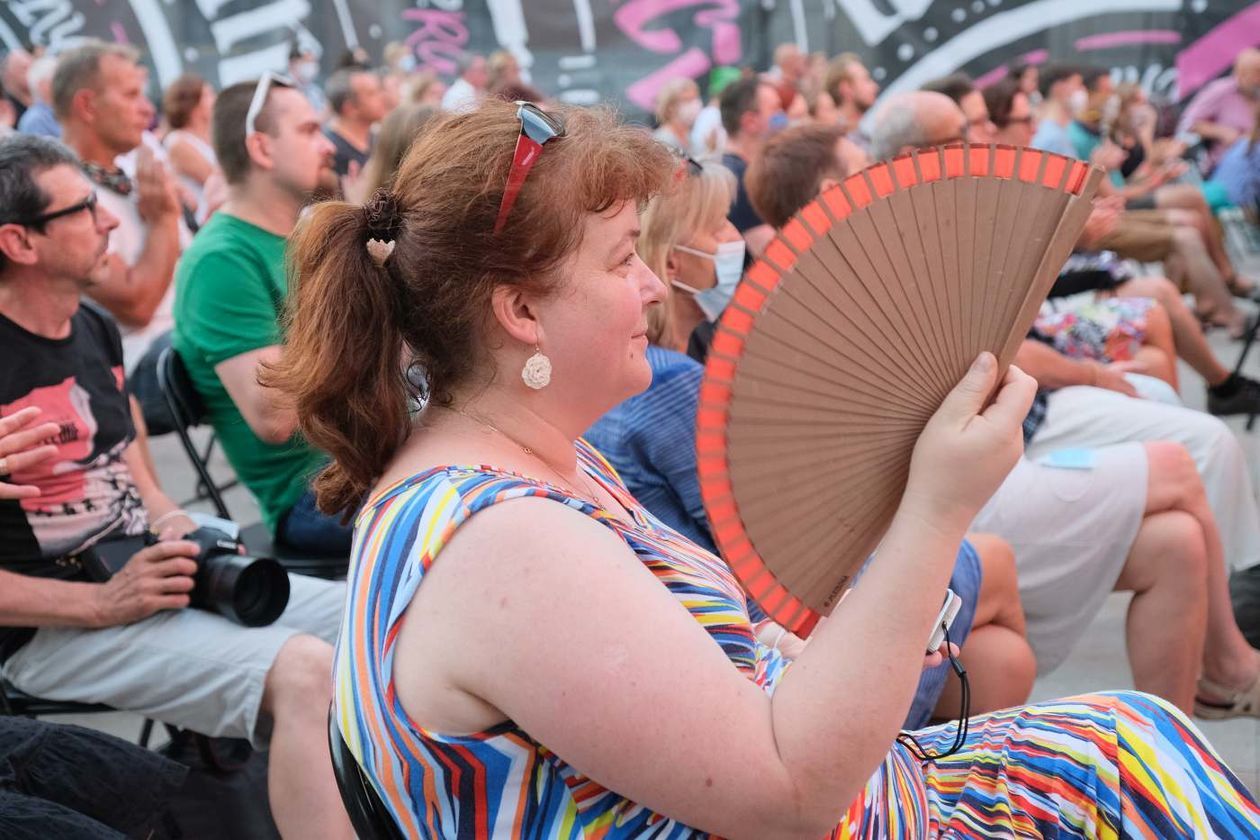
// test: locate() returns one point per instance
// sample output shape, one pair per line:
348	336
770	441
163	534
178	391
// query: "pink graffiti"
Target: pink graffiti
1207	57
439	38
718	16
692	63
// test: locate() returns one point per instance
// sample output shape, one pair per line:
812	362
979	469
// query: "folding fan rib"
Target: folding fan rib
1010	206
923	199
763	367
905	210
812	347
878	271
896	270
804	287
965	215
843	264
944	198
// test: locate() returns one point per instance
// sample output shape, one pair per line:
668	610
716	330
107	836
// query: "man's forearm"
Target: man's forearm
154	270
27	601
1214	131
1051	368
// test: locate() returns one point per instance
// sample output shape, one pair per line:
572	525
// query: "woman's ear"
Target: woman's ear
671	268
517	315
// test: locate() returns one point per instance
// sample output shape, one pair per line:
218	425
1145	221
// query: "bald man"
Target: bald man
915	119
1224	110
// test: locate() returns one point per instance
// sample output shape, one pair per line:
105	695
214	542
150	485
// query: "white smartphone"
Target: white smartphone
946	618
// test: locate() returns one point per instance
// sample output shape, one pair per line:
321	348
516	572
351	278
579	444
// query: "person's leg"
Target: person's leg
1212	297
999	661
1081	416
1165	623
1174	486
304	798
1191	344
196	670
1186	205
307	529
1158	354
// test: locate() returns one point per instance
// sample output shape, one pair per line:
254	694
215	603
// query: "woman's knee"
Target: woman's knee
302	673
1173	479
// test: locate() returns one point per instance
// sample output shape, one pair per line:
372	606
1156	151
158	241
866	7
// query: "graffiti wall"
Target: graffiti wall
585	51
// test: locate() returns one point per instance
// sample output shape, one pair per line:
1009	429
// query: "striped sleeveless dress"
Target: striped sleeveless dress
1106	765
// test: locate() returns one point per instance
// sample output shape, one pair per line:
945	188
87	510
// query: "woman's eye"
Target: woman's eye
628	260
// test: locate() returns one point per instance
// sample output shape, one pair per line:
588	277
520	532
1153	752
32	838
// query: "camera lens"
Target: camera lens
252	591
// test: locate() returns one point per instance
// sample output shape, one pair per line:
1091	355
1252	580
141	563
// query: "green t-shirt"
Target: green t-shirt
229	293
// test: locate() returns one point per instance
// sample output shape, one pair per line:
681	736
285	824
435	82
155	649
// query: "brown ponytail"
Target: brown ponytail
352	325
342	361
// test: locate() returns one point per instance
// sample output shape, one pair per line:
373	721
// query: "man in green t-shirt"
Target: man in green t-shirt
229	294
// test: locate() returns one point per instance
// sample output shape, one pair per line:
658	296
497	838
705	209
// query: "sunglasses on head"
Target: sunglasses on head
266	82
88	204
538	128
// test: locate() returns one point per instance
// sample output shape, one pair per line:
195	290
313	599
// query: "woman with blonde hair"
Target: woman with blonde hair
528	652
398	131
677	106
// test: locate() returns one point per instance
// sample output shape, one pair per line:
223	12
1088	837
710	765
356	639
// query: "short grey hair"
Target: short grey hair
897	125
80	68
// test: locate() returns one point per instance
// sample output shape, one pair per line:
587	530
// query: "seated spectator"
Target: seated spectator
13	69
1031	508
708	138
853	91
187	106
98	92
304	69
1010	111
131	642
357	103
690	724
230	292
423	88
1238	173
650	440
399	130
750	110
959	87
1063	96
677	106
504	79
469	86
1224	111
39	118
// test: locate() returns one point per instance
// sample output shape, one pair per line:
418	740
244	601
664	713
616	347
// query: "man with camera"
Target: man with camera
127	641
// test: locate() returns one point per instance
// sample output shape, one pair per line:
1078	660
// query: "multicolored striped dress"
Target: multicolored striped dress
1105	765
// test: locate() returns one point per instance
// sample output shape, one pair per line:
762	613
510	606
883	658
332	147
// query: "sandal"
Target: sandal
1241	703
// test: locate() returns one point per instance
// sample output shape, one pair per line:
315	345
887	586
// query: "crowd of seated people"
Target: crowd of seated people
440	364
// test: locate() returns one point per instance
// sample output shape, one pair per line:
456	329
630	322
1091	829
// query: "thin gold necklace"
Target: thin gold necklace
589	496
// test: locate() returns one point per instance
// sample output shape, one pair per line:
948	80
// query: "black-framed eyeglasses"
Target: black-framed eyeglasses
88	204
265	82
537	129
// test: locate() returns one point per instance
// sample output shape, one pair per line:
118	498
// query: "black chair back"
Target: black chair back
368	814
187	411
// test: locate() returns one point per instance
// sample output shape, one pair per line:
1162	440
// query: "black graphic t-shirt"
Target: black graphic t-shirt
87	491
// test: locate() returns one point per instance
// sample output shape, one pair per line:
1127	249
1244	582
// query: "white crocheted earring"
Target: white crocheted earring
537	371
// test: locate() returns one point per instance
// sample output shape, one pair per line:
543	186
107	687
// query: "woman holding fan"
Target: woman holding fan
527	653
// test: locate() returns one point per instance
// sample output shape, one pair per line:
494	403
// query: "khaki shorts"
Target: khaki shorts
189	668
1142	235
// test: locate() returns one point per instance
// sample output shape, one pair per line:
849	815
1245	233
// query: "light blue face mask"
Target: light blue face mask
728	267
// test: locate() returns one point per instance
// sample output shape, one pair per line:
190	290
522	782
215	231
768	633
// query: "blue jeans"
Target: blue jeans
306	529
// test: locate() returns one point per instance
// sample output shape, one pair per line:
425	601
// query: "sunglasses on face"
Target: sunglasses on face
265	83
88	204
538	128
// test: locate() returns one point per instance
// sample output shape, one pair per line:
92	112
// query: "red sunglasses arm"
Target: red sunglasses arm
527	152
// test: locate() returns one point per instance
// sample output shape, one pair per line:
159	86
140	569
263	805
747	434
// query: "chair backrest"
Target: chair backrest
187	410
368	814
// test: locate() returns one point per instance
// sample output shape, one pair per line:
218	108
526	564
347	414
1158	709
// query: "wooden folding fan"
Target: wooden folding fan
842	341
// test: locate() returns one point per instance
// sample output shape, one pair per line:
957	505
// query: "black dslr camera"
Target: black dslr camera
252	591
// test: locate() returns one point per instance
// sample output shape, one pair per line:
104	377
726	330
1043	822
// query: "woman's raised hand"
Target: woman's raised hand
970	445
